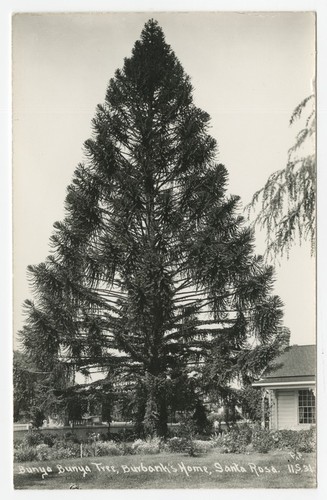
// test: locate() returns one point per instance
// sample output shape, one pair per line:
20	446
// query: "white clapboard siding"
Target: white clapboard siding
287	409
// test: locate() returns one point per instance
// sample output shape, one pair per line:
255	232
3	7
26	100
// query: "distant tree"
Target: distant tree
287	202
35	389
152	265
24	382
200	418
250	400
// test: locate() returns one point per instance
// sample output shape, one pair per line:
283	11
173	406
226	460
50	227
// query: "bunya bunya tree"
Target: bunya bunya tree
152	274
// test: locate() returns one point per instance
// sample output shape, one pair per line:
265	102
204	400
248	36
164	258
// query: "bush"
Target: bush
32	438
42	451
202	446
236	440
200	419
148	447
182	445
239	439
62	450
187	431
262	440
49	439
176	445
303	441
307	441
127	448
25	453
107	448
70	437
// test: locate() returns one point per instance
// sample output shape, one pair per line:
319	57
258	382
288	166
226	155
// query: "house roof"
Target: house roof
297	363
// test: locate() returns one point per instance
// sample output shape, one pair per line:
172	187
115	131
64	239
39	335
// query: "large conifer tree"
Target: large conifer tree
152	269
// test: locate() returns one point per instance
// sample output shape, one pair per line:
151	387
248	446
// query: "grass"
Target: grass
166	470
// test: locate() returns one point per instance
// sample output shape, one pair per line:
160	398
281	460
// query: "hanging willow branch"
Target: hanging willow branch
288	199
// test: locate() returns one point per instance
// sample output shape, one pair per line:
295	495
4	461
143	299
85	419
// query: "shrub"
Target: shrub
148	447
49	439
262	440
187	430
303	441
60	451
202	446
307	441
216	440
42	451
200	419
182	445
25	453
236	440
127	448
32	438
176	445
107	448
70	437
87	450
230	443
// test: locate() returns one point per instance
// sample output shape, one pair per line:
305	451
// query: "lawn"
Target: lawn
166	470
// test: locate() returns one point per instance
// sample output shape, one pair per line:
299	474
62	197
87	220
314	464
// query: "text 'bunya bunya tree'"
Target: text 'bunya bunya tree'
152	271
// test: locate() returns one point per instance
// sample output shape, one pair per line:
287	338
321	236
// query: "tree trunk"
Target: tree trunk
156	414
162	427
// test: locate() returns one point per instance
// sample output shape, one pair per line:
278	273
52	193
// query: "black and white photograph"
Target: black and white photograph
164	250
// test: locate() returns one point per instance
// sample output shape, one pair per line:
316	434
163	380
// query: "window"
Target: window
307	407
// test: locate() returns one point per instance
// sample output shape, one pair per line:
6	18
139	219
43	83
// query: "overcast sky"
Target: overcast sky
249	72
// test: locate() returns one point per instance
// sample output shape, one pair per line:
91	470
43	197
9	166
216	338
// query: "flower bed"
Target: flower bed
240	439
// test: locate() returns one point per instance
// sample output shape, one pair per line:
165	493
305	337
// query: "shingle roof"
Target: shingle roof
295	361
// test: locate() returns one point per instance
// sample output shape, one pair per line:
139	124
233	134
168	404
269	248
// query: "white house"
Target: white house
289	385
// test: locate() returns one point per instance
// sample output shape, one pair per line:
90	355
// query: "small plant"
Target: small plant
25	453
108	448
49	439
236	440
262	440
148	447
187	432
176	445
64	451
32	438
72	438
202	446
42	451
126	448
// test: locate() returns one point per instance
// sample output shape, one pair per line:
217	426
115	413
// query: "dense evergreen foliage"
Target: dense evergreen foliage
152	271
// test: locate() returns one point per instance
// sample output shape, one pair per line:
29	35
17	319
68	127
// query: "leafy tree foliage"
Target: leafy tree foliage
152	268
35	390
24	387
288	199
251	401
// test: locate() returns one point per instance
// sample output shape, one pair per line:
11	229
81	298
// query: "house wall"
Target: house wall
284	410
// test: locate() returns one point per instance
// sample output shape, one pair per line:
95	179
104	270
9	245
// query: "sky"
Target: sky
249	71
